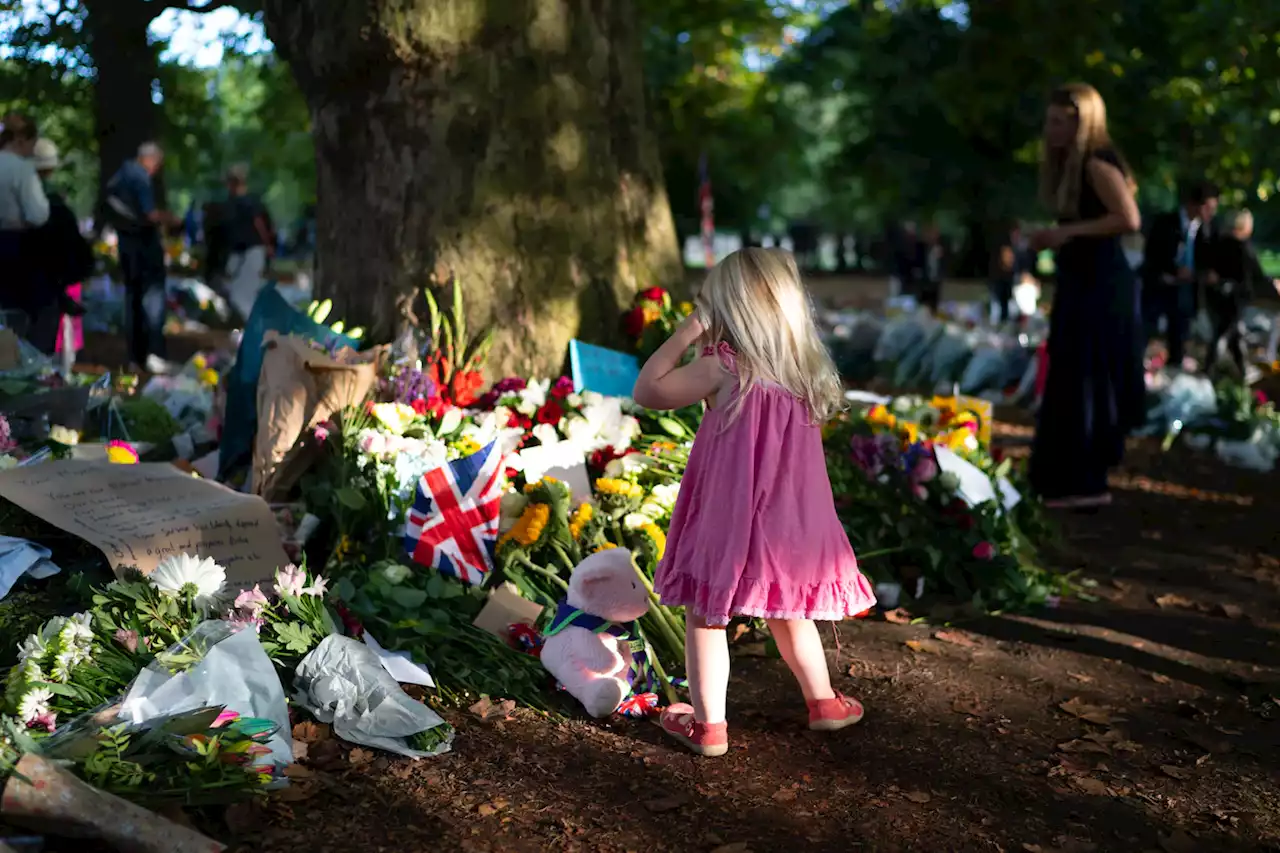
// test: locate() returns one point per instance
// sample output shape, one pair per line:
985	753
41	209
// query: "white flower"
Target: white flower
574	400
34	703
178	570
665	494
7	462
64	435
82	627
652	510
635	520
450	422
533	395
396	573
396	417
485	428
591	398
290	580
545	434
629	464
526	408
513	504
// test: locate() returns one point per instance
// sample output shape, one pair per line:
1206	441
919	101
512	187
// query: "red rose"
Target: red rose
550	413
633	322
419	406
984	551
653	294
563	388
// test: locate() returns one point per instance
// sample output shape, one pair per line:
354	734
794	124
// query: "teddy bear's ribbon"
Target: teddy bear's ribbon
639	671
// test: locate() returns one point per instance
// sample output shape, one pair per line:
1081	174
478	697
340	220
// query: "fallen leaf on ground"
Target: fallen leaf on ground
898	616
1178	842
923	646
1081	677
488	710
300	750
667	804
739	631
785	795
360	756
955	638
1085	746
1082	710
1172	599
1089	785
1174	772
1160	679
297	771
735	847
309	732
967	706
487	809
1231	611
1113	738
294	793
920	797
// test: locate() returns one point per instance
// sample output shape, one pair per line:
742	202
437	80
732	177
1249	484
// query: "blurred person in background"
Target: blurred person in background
250	242
138	221
930	259
1094	393
62	255
1177	256
23	207
1239	277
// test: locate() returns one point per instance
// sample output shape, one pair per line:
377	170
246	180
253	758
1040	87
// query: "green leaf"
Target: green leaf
407	597
296	637
345	590
673	427
351	498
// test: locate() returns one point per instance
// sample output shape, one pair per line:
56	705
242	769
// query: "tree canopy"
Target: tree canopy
842	113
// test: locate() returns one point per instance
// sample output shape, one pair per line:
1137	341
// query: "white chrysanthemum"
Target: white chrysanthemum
652	510
33	648
176	571
34	703
64	435
635	520
665	494
82	626
632	463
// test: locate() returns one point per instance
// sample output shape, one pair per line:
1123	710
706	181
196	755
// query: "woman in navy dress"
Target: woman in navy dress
1094	391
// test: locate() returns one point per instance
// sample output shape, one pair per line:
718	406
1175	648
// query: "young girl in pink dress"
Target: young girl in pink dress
754	532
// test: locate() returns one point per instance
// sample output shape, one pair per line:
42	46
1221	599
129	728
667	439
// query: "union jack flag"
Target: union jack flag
453	523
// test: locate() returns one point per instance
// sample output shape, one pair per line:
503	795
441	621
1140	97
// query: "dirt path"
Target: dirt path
1147	720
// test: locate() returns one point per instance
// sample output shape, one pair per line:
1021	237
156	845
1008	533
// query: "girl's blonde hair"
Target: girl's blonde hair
1062	169
754	301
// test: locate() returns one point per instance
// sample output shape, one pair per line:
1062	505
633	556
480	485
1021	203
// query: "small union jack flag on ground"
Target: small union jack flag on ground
453	523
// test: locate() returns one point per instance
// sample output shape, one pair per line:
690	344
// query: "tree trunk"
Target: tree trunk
125	68
504	142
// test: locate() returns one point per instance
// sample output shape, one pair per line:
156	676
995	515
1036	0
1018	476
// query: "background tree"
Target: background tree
505	143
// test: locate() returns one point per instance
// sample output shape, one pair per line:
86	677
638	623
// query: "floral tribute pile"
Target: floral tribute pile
424	500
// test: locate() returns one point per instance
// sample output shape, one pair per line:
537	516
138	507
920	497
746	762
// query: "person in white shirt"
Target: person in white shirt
23	207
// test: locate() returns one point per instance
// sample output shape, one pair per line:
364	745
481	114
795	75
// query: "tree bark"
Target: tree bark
126	67
504	142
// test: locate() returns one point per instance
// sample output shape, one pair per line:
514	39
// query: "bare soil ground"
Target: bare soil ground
1147	720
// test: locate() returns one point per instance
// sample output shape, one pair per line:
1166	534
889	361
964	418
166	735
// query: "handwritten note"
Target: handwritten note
139	514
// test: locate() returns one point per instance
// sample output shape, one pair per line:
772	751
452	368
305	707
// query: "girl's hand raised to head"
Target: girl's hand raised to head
664	384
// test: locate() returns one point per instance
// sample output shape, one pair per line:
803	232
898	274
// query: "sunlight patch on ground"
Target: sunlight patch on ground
1138	483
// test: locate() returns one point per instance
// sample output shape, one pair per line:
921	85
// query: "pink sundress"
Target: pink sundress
754	531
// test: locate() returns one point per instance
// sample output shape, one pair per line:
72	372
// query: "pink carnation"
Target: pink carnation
984	551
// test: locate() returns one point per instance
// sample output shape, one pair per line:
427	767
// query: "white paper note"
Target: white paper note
399	664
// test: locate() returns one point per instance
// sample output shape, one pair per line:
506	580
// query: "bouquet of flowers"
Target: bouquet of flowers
652	319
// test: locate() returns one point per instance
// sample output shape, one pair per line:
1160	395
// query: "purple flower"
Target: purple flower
412	384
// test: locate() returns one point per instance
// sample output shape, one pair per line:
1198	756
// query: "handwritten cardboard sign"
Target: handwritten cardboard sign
139	514
604	371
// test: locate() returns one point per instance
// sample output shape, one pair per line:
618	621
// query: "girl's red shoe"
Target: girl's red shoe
707	739
829	715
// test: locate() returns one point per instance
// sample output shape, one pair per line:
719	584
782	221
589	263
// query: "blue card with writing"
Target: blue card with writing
604	371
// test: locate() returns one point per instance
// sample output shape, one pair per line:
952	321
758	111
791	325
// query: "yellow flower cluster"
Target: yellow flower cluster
342	549
528	529
581	516
467	446
881	417
621	488
199	362
529	487
605	547
654	532
209	377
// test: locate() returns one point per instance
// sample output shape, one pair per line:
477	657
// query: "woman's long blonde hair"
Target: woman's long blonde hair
755	301
1062	169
